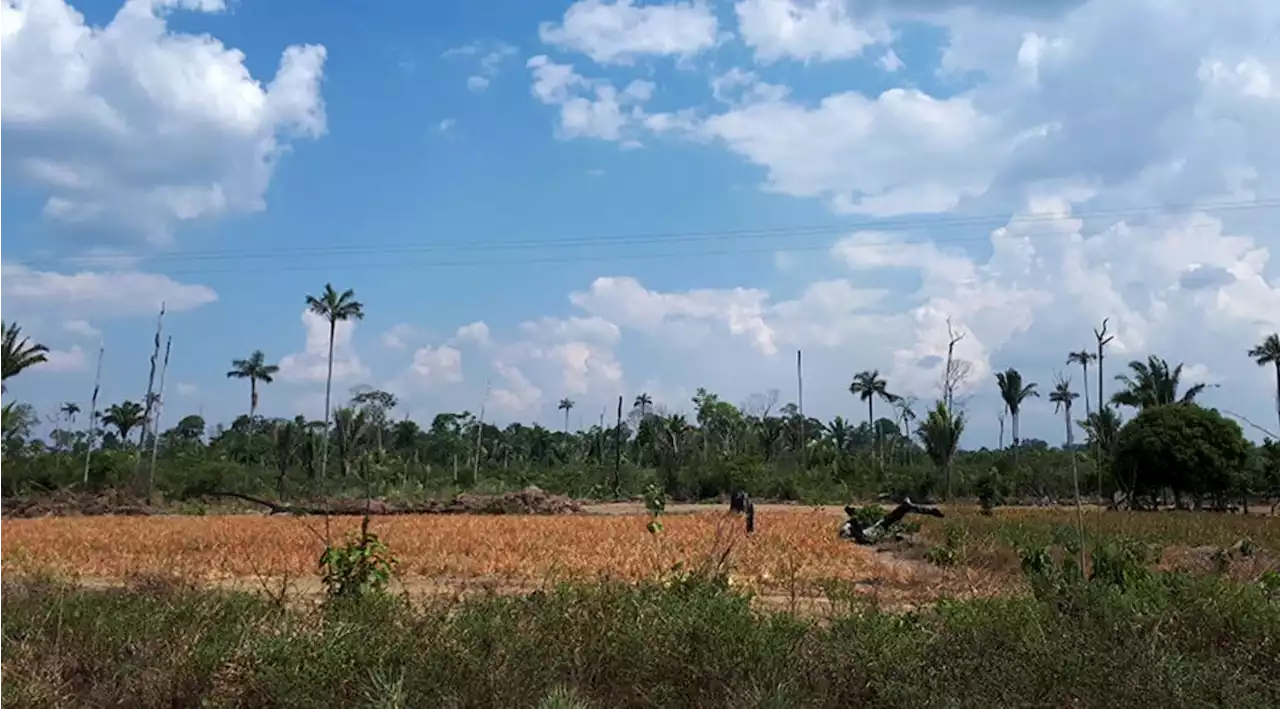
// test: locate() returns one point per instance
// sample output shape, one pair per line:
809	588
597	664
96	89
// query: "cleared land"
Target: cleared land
789	561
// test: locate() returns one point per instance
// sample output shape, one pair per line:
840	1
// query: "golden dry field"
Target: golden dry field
793	552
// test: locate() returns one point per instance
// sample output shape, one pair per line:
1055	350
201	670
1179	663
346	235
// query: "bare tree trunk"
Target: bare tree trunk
93	415
328	389
146	411
155	433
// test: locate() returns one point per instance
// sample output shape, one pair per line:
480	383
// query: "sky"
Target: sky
597	199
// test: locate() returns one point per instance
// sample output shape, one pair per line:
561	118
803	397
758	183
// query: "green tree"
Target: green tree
1268	353
124	417
1180	446
334	307
1014	392
255	369
19	352
940	433
1153	383
868	386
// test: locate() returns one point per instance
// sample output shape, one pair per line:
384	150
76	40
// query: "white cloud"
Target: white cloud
311	365
621	31
446	124
488	58
476	333
82	328
604	112
398	336
436	365
890	61
69	360
141	127
186	389
105	294
821	30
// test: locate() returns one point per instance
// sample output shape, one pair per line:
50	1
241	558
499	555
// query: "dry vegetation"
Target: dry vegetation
792	556
792	553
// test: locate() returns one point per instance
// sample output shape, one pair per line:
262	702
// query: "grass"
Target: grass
611	624
1176	641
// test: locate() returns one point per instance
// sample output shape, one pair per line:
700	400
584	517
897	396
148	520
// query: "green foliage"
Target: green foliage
1183	447
991	489
1172	641
360	567
655	502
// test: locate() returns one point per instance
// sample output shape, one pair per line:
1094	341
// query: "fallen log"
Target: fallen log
530	500
869	536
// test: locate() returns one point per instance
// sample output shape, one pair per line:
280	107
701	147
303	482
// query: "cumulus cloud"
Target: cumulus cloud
476	333
590	108
621	31
100	293
436	365
141	127
311	365
821	30
68	360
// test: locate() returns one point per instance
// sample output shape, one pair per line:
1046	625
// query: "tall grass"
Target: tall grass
1172	641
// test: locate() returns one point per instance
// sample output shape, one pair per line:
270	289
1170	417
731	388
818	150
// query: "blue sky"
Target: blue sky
595	199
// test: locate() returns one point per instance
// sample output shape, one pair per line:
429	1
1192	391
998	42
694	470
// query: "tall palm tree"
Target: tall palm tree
70	409
335	307
1062	397
1153	383
1013	392
19	352
125	416
1083	358
1268	352
644	402
566	405
255	369
867	385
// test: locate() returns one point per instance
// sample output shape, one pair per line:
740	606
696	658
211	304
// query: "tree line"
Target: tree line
769	448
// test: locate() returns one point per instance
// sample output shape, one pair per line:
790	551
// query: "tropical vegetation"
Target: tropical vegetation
770	450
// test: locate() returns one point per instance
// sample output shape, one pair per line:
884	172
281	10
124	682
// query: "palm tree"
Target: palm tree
19	352
840	434
255	369
644	402
940	433
335	307
1083	358
868	385
566	405
1268	352
125	416
1153	383
70	409
1062	396
1013	391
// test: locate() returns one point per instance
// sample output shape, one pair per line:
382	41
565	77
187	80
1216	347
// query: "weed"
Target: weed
361	566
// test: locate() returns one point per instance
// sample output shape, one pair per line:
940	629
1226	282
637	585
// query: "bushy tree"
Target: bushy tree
1183	447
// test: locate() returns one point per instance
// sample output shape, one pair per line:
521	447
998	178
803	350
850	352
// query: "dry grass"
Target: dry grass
791	554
